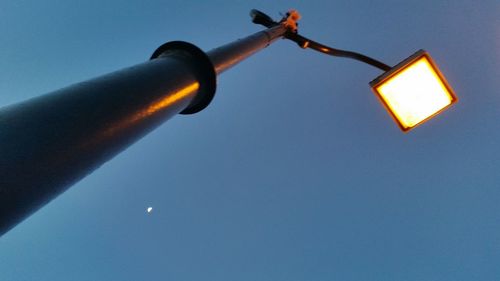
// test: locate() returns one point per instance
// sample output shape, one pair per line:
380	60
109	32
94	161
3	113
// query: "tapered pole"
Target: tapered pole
50	142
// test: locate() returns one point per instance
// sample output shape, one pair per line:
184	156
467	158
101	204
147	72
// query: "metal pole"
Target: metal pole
50	142
230	54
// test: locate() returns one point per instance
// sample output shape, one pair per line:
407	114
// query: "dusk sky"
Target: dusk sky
295	172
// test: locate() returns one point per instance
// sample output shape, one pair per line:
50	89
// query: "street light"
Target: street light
414	91
52	141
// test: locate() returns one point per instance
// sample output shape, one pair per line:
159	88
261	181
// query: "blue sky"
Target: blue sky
295	171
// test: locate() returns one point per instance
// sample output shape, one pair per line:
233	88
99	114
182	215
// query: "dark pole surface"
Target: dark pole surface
50	142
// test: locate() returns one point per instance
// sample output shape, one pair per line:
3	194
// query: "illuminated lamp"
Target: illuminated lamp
414	91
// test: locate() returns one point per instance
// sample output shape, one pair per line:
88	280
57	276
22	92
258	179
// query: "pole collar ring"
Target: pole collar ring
200	64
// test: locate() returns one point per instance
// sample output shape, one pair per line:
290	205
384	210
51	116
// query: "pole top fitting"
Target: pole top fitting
289	20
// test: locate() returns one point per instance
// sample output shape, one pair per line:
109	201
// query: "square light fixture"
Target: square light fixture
414	91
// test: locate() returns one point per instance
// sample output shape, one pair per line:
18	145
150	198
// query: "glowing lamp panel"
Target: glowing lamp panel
414	93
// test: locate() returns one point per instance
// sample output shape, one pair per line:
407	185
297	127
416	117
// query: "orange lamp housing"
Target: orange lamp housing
414	91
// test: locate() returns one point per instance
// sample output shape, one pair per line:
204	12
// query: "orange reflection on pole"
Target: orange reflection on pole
169	100
122	125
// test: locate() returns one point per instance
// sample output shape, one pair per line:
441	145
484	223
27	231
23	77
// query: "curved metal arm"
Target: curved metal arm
304	42
261	18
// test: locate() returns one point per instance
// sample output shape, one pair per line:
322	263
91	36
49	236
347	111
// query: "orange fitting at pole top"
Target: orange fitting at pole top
290	20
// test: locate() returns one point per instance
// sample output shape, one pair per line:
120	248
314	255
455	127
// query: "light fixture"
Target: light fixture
414	91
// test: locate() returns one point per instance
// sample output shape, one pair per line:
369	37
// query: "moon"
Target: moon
150	209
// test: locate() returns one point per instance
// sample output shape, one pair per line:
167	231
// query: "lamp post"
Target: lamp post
52	141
